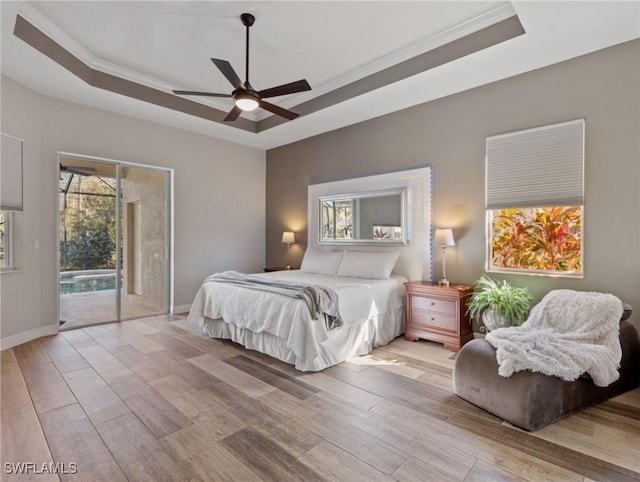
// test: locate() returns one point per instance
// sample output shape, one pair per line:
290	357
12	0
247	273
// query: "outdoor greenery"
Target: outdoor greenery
88	225
337	219
544	239
508	301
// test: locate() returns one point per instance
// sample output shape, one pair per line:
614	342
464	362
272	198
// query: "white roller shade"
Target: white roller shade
536	167
10	173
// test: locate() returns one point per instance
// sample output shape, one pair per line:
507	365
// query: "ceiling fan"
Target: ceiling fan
79	170
246	98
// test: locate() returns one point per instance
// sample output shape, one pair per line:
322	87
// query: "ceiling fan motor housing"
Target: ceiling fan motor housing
247	19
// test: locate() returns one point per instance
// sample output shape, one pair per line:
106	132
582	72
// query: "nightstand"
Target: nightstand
438	313
273	268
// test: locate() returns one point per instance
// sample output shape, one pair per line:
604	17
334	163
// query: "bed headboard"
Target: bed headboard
414	262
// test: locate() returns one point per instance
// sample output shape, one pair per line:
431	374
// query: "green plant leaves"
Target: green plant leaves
547	239
509	301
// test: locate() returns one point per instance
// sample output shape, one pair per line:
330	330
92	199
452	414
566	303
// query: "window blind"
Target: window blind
10	173
536	167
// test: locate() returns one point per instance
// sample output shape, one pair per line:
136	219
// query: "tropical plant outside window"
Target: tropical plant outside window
87	223
545	240
387	232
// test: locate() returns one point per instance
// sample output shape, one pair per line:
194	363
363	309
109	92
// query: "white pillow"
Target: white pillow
321	261
360	264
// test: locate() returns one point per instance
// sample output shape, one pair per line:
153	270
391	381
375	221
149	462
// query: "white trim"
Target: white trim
176	310
20	338
171	242
421	46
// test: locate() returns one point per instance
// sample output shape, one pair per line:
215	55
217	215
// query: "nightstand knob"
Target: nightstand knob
433	303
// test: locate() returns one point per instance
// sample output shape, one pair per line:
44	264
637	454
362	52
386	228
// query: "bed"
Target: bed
371	303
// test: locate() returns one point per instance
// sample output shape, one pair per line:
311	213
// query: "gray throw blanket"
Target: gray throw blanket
320	300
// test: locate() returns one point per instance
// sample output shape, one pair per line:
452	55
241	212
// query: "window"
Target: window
544	240
535	198
6	255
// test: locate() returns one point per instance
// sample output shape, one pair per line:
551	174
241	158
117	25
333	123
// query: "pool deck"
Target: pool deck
92	307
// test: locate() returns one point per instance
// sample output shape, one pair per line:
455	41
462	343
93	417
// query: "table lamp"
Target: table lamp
288	238
444	239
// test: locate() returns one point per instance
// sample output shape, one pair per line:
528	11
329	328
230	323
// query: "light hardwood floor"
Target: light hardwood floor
91	307
153	399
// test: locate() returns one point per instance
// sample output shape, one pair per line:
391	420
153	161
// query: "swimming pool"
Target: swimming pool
88	280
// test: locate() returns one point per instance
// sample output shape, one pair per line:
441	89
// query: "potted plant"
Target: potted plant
498	303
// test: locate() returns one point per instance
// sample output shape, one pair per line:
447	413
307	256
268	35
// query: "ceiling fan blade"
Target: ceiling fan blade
207	94
290	88
287	114
233	114
229	73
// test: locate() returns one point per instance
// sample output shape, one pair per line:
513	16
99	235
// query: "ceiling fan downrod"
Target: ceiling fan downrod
247	20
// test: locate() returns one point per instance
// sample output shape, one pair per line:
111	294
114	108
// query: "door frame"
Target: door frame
169	247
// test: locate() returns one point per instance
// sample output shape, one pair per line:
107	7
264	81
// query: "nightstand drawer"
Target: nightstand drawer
431	319
432	304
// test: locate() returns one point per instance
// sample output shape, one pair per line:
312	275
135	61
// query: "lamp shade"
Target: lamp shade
288	237
444	237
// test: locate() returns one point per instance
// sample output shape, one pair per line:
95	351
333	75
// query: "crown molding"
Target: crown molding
423	45
502	12
42	23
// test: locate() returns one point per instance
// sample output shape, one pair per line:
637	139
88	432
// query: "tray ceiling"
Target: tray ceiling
359	57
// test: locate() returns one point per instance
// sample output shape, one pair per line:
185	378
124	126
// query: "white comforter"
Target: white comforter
289	319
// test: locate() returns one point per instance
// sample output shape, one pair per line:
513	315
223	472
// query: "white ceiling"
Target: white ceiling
167	45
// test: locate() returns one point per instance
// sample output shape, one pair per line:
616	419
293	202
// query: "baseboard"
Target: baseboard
176	310
20	338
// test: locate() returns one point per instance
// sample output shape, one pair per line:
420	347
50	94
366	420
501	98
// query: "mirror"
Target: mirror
364	218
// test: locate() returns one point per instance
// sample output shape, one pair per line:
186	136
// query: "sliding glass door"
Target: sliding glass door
87	242
114	225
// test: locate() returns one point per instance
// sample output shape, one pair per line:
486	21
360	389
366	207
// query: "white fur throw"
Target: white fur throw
567	334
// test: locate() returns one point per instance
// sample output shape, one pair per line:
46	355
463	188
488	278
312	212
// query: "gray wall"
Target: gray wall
219	197
449	134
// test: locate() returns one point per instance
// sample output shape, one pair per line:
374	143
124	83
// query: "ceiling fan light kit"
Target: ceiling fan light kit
246	101
244	96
